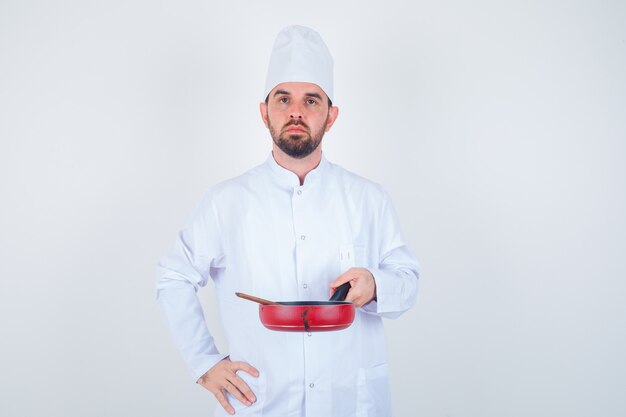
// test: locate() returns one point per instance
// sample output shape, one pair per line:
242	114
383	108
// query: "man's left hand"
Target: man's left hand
363	286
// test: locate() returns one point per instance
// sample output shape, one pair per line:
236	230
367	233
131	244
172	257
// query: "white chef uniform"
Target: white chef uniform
263	233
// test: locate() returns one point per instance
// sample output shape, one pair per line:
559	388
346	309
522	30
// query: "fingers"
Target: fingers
222	378
246	367
343	278
340	280
240	390
221	398
240	383
356	296
363	288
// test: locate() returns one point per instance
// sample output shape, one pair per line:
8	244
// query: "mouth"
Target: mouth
296	128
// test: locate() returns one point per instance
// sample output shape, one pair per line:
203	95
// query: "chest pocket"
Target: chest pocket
353	256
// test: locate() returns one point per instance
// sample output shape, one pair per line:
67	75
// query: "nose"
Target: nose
296	112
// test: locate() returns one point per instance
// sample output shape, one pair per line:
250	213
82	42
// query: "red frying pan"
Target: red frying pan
306	316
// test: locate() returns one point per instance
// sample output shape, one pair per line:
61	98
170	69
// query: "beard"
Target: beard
298	145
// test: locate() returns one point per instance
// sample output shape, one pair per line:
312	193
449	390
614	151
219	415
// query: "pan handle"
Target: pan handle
256	299
341	292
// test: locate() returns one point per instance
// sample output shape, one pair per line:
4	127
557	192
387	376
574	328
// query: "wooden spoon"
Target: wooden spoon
257	299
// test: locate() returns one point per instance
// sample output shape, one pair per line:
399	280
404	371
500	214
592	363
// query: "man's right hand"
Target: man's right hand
223	378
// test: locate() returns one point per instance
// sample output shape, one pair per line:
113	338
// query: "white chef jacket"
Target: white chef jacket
263	233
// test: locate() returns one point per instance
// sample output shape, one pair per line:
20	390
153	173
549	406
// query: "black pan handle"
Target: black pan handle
341	292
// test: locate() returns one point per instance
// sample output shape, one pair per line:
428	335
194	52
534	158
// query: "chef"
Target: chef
293	228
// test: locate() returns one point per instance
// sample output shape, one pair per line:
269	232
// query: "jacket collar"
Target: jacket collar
290	180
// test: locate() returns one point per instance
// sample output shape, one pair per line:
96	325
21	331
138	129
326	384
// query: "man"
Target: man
293	228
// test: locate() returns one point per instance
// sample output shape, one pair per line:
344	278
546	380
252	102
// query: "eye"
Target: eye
283	100
311	102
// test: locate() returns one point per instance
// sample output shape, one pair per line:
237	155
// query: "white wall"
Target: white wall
498	128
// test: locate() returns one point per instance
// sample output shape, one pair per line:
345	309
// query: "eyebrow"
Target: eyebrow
317	96
283	92
279	92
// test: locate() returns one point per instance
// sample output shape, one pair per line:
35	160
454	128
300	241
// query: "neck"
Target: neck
300	167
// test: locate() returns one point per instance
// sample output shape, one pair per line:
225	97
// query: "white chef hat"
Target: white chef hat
300	55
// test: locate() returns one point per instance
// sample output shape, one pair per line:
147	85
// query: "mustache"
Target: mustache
296	123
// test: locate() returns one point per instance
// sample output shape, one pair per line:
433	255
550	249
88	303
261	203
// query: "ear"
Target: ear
263	109
333	112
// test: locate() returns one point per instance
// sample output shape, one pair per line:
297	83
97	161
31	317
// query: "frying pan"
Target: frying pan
306	316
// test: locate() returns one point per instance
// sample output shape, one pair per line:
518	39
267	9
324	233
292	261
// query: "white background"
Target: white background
498	127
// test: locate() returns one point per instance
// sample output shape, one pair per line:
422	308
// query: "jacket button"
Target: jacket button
302	237
304	286
311	385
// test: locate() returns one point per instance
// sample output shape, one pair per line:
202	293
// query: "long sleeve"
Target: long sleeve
264	233
179	274
397	273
